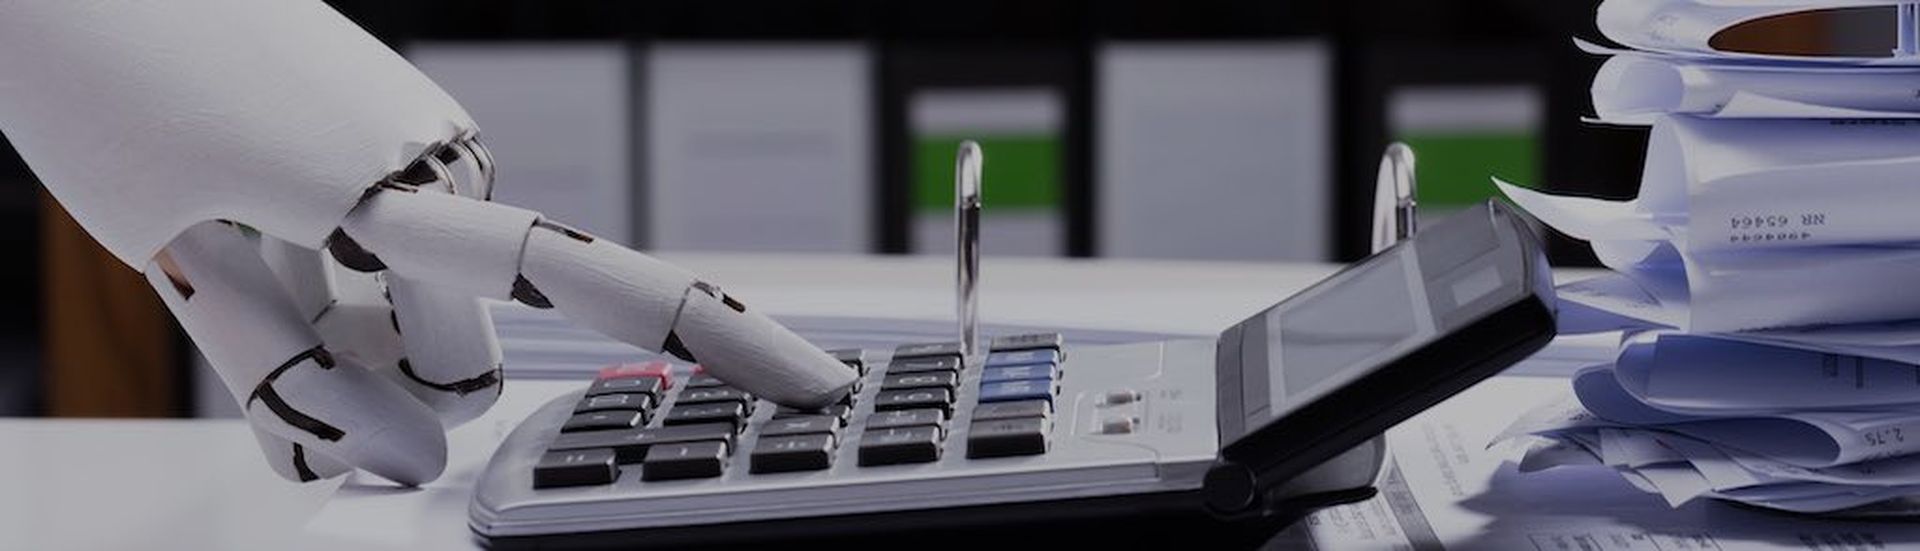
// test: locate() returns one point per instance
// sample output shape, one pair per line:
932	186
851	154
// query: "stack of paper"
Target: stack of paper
1763	276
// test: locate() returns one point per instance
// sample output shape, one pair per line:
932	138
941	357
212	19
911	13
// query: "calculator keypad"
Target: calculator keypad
633	414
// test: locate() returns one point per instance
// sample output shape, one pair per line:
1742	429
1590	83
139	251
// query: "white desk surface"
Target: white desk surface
200	484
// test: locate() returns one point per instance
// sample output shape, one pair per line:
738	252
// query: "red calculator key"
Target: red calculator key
659	370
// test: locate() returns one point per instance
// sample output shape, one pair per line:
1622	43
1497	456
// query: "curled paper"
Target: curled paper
1715	28
1636	89
1744	225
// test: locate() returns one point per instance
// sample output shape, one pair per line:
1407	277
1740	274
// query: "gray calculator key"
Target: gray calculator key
632	385
925	379
925	350
804	424
636	402
1009	410
630	446
575	468
900	445
924	364
780	454
689	460
889	400
1007	437
604	420
711	395
838	411
730	412
906	418
704	381
1025	342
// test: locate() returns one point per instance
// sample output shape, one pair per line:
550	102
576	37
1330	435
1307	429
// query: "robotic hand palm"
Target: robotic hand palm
219	145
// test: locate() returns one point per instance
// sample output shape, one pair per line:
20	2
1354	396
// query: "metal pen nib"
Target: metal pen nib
966	225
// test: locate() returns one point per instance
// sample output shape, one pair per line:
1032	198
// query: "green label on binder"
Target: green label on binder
1022	171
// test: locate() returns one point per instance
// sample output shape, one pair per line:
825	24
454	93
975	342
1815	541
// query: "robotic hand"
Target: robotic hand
219	145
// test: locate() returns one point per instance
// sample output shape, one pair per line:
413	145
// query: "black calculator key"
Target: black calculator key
838	411
688	460
906	418
630	446
1008	410
691	414
704	380
855	358
924	379
923	364
634	385
604	420
604	402
1025	342
889	400
1007	437
710	395
927	350
575	468
780	454
900	445
803	424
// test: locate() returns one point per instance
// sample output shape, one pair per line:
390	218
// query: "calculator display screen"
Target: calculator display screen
1318	336
1369	315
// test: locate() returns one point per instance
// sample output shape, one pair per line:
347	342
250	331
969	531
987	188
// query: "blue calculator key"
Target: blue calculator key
1024	357
1019	373
1030	389
1026	342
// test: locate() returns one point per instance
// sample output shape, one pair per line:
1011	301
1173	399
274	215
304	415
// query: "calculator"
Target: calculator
1278	414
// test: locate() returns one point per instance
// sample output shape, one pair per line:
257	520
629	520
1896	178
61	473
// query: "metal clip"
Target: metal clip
1393	198
966	225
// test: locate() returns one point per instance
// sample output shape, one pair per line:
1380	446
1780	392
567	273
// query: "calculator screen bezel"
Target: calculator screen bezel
1464	344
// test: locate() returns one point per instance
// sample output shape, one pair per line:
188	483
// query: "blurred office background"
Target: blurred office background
1239	130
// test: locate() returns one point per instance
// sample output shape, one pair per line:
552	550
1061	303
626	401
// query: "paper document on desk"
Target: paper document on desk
1689	417
1447	490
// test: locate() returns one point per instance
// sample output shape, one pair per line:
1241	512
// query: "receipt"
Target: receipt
1743	184
1681	468
1745	225
1813	439
1719	377
1637	88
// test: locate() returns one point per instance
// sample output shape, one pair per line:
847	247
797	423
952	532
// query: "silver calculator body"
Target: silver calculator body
1282	412
1135	419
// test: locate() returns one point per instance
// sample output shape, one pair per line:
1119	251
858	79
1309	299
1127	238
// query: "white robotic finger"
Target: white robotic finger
452	359
295	462
214	281
349	412
453	363
462	243
632	296
746	348
348	309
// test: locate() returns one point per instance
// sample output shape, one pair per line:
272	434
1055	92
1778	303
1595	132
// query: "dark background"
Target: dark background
1378	45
